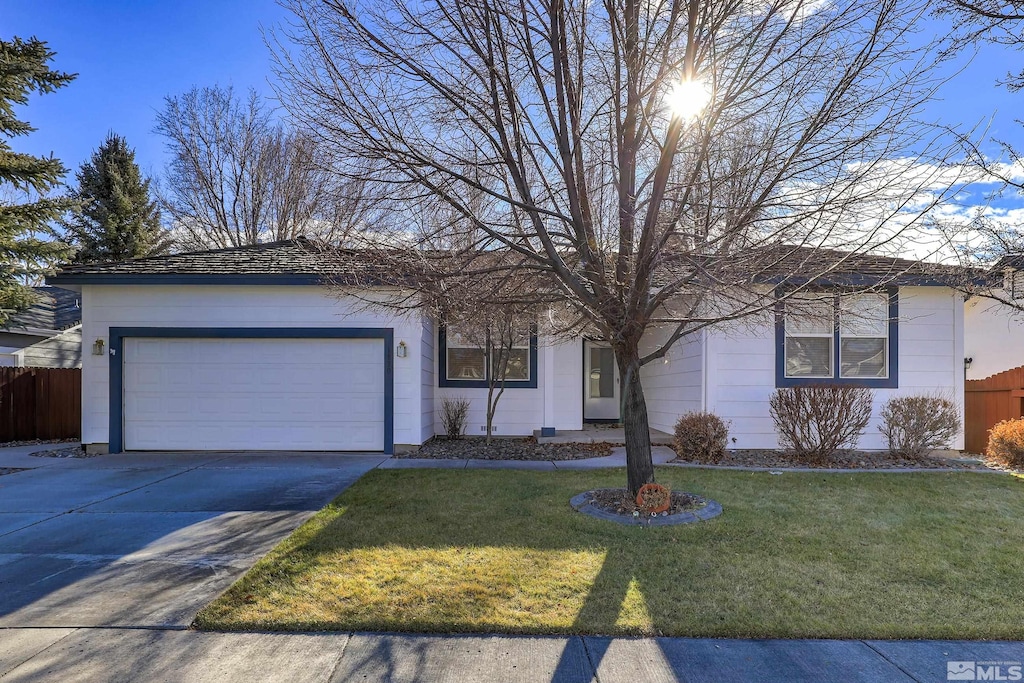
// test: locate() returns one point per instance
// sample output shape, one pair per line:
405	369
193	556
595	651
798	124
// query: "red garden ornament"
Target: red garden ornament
653	498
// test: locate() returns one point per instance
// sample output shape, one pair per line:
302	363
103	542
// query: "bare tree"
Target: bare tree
238	177
502	337
637	163
995	21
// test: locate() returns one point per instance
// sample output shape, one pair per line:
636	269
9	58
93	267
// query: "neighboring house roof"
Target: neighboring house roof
55	309
298	261
1015	261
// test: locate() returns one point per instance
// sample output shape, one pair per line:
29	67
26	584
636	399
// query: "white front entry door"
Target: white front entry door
254	394
600	383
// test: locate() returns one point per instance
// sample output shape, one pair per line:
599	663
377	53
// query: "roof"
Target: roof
286	262
55	309
1015	261
785	263
299	261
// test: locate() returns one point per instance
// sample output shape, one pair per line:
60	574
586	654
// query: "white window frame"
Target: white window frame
830	335
884	301
450	344
525	346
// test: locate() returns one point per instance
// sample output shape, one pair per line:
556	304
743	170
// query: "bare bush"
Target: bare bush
814	422
1006	445
701	436
915	425
454	415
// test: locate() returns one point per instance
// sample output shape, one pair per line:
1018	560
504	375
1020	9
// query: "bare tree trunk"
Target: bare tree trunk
492	400
492	406
639	464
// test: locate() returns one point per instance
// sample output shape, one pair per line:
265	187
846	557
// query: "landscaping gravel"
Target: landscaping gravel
35	442
846	460
10	470
75	451
507	449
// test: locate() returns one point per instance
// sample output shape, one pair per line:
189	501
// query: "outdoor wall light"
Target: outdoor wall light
402	351
967	363
97	347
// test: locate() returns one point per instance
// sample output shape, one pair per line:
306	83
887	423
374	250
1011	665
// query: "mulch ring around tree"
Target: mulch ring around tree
507	449
616	505
75	451
842	460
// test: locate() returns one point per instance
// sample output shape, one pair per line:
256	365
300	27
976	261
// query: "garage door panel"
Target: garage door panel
253	394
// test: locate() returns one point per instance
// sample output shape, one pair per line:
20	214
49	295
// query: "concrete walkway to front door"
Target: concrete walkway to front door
598	433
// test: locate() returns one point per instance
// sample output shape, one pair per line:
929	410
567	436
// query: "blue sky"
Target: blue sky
130	54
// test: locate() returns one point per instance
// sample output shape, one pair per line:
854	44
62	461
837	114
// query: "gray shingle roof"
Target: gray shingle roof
55	309
299	261
287	257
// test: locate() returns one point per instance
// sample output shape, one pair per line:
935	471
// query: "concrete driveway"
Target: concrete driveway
145	540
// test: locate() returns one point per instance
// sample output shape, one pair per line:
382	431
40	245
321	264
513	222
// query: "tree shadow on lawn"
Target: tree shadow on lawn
799	555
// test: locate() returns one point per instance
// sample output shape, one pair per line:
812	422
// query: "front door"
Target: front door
600	383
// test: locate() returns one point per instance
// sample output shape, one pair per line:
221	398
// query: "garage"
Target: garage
262	393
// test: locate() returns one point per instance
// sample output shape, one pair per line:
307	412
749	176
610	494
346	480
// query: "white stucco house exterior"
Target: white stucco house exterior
245	349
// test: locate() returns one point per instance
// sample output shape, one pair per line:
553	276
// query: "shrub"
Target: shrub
916	425
454	415
1006	444
814	422
701	436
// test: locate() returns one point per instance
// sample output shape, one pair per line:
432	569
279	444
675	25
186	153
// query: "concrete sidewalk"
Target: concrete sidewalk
132	655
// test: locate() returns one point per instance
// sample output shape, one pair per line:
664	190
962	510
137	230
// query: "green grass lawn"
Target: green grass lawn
797	555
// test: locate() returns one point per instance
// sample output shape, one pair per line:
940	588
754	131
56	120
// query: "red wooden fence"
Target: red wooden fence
40	403
988	401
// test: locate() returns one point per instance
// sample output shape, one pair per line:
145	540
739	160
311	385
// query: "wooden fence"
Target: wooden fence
988	401
40	403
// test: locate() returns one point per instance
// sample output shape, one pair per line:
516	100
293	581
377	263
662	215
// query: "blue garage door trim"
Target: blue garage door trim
119	334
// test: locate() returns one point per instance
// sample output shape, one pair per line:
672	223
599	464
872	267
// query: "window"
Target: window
810	326
467	361
837	338
863	335
517	368
601	383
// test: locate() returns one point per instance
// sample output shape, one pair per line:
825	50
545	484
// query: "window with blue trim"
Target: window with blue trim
465	360
838	338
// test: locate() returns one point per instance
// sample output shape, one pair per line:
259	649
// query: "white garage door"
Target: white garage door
254	394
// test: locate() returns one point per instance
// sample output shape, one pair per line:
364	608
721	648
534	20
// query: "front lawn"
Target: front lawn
795	555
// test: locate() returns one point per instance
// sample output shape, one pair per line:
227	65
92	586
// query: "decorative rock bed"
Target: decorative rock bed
10	470
614	505
476	448
75	451
843	460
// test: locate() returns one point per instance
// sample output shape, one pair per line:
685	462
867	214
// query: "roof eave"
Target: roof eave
861	280
63	279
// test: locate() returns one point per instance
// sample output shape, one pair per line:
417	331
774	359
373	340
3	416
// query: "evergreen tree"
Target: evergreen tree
27	240
114	218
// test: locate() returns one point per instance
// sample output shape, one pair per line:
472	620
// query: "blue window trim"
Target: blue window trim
119	334
442	366
890	382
